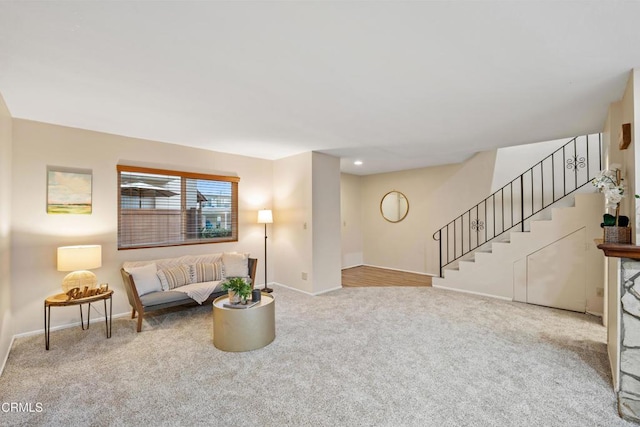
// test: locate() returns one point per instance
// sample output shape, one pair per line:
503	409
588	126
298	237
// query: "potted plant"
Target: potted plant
616	227
239	289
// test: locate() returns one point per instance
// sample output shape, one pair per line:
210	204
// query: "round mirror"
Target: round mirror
394	206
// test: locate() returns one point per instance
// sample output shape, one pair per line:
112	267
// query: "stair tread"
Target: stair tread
559	209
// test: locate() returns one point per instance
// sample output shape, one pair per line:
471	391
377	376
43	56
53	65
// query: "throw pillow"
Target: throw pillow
235	264
145	278
175	276
163	280
206	272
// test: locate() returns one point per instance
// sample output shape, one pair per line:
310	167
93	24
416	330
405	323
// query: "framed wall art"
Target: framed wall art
68	190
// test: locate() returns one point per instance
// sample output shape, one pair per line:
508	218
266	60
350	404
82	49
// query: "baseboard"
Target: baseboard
594	313
293	289
464	291
69	325
305	292
6	338
399	269
615	378
327	291
351	266
6	356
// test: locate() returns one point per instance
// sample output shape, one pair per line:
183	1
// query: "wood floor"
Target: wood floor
365	276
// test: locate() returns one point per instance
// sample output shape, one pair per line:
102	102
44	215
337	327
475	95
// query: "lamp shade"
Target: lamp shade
72	258
265	216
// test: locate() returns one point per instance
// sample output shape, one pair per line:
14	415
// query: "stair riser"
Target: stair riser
493	272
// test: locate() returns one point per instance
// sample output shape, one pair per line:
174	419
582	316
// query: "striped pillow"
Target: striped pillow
174	277
206	272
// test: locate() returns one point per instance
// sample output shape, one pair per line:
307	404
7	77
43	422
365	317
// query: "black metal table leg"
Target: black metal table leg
47	324
81	318
106	322
63	300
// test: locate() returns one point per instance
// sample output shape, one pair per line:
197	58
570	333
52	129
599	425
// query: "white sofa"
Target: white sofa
186	280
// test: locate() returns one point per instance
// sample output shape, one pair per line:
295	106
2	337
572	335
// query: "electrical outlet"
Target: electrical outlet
600	292
304	276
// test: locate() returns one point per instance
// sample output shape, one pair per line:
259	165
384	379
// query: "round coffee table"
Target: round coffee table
244	329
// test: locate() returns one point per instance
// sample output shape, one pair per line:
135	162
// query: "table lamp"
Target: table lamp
265	217
78	260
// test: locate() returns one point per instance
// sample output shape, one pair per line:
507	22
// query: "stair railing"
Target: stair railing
551	179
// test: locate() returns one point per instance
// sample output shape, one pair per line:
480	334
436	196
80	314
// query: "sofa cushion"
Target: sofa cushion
206	272
175	276
235	264
163	297
145	278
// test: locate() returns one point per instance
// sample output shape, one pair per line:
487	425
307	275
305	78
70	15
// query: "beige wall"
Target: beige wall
628	204
6	330
513	161
307	207
634	176
351	215
36	235
292	202
436	195
610	152
326	223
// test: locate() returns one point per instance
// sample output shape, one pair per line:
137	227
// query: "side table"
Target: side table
60	300
244	329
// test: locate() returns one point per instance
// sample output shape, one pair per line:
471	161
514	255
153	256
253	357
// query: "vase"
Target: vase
234	297
615	234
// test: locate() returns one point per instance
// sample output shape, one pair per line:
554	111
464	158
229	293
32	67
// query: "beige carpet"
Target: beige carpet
353	357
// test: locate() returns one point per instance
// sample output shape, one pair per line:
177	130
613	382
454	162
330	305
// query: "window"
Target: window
167	208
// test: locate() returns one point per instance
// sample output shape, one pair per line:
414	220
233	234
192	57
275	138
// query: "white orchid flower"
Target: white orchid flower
607	181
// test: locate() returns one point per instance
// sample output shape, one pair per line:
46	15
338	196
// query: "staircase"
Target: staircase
532	239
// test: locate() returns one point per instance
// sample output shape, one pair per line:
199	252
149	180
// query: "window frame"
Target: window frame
234	180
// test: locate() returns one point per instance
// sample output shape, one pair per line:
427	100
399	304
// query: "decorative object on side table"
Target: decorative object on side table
616	227
80	282
256	297
240	305
239	290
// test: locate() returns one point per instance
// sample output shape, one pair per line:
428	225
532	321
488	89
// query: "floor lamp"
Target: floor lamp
265	217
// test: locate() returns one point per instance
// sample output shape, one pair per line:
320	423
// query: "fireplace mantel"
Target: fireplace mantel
619	250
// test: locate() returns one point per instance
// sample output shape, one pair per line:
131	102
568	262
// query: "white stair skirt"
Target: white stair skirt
556	264
556	274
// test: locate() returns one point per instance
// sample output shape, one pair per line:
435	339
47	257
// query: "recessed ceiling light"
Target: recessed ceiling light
358	162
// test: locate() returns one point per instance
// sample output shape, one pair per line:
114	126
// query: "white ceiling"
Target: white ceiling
396	84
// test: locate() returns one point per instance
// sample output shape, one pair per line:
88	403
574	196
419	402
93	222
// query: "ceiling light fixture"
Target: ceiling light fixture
358	162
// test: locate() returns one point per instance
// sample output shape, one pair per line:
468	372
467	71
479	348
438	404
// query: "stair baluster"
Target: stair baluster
579	158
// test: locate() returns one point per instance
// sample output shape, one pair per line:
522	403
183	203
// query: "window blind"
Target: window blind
159	207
